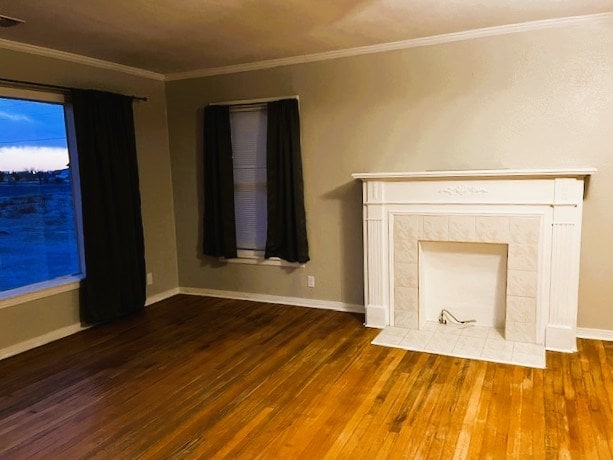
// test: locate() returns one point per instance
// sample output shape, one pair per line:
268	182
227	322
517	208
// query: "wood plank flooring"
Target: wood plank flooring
195	377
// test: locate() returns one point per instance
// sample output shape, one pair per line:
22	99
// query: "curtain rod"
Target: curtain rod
255	101
63	88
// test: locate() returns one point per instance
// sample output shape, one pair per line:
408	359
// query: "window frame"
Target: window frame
66	283
249	257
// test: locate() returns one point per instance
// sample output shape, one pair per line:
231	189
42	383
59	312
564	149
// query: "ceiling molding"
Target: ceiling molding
79	59
328	55
392	46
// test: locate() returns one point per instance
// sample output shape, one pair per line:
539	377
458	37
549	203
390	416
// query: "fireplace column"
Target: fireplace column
376	254
560	333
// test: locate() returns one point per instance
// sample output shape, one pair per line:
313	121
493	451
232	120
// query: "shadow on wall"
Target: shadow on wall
351	277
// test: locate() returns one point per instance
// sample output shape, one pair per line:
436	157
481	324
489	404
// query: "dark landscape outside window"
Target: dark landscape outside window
39	236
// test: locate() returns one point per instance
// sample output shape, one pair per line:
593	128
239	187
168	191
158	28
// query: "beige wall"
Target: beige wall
539	99
23	322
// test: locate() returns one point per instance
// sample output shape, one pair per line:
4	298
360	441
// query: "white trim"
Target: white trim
65	286
273	261
392	46
79	59
595	334
161	296
295	301
41	340
260	100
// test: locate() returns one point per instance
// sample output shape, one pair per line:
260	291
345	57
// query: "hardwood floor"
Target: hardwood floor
199	377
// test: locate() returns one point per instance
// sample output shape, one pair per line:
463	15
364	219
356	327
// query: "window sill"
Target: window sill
273	261
40	290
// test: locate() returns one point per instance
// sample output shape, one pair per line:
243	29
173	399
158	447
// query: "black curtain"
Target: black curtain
114	249
219	239
286	236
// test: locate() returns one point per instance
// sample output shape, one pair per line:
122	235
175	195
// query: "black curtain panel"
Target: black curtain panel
286	236
114	249
219	238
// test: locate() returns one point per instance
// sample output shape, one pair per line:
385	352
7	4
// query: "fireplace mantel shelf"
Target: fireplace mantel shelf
476	173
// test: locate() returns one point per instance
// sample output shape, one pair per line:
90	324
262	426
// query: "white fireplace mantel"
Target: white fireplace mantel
504	206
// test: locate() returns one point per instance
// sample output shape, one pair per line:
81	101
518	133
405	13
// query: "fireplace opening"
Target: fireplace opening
467	279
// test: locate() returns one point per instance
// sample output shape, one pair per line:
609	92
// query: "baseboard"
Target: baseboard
161	296
595	334
296	301
41	340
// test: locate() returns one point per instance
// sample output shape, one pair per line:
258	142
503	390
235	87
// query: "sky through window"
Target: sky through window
32	136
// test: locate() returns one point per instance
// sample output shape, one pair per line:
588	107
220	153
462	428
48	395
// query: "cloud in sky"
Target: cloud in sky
14	116
31	157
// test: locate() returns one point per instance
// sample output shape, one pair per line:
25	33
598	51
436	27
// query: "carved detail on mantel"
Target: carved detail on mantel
462	189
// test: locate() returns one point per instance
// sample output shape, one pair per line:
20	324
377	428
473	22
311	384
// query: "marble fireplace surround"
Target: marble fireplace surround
537	213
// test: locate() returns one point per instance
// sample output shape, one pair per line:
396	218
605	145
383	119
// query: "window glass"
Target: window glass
39	239
248	127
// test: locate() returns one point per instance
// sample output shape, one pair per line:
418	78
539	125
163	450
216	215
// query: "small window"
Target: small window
39	229
248	129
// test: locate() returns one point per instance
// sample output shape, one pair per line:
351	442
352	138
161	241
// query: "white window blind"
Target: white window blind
248	127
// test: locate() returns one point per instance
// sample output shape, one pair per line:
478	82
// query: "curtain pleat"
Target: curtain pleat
286	234
115	283
219	238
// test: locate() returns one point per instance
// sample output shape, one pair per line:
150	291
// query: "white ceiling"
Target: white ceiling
170	36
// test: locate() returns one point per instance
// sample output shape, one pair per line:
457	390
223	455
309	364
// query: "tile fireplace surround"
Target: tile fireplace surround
536	214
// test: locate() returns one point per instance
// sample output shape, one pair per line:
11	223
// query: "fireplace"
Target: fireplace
467	279
505	241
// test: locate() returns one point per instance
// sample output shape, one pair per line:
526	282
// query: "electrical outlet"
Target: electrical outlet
311	281
149	279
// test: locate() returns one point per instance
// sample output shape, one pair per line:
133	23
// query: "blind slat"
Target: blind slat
249	161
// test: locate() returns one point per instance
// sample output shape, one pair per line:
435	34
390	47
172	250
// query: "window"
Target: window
39	229
257	147
248	128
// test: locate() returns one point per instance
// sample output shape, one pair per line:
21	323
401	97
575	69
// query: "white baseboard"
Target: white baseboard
41	340
297	301
595	334
161	296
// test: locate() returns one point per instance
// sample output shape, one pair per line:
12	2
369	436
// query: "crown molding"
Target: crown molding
392	46
79	59
327	55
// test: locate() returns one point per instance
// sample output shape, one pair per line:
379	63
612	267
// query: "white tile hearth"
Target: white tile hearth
471	342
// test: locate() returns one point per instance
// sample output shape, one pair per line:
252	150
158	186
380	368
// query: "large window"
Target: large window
39	228
248	128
